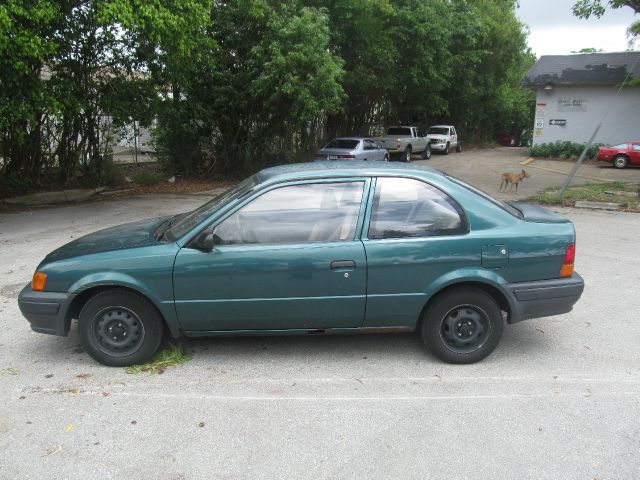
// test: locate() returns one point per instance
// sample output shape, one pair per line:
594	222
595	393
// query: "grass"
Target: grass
626	194
172	355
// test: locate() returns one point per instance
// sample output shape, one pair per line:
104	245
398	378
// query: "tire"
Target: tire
426	155
620	161
138	328
459	147
386	157
460	313
407	155
446	149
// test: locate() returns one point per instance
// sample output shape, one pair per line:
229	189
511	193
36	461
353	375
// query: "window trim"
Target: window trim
369	211
366	181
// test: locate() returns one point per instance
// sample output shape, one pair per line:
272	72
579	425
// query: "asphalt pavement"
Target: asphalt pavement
559	398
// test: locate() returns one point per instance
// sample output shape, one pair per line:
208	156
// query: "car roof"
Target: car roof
337	168
350	138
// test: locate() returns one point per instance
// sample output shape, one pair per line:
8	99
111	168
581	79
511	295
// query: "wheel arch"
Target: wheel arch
491	289
82	297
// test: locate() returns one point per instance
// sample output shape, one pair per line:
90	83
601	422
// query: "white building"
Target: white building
573	92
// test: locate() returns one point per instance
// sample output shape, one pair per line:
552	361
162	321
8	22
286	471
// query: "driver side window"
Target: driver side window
320	212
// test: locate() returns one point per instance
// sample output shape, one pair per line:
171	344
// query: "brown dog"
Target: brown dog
513	179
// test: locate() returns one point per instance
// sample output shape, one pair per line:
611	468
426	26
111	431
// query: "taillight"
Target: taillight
397	144
39	281
346	156
569	259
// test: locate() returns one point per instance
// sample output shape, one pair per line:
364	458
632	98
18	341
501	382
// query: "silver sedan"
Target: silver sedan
353	148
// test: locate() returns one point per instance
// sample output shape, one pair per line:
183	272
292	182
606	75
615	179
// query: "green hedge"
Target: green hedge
568	150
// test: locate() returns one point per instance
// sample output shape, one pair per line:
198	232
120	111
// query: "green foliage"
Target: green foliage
235	86
147	178
171	356
587	8
626	194
566	150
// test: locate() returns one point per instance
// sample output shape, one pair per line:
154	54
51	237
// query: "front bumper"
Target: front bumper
543	298
46	311
438	146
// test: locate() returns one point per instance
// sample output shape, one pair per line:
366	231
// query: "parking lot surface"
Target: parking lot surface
559	398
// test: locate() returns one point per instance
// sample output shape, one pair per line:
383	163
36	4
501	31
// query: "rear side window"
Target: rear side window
399	131
344	144
405	208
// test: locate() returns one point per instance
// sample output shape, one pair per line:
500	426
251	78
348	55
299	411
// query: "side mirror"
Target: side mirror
205	241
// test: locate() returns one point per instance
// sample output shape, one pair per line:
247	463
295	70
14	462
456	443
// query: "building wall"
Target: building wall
582	109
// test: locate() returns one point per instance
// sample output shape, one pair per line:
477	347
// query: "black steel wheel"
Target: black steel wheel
620	161
462	326
119	328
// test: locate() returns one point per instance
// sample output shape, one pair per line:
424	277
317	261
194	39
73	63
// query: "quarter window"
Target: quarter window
322	212
404	208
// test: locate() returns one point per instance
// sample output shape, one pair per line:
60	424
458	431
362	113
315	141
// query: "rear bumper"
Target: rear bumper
543	298
46	311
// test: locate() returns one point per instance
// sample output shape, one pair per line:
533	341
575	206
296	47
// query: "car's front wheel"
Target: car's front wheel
620	161
119	328
446	149
462	325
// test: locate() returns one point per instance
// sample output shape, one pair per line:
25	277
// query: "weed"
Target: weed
173	355
626	194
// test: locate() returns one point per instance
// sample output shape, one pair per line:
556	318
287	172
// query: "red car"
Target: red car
621	155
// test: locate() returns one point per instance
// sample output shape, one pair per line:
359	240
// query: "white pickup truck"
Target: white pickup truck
443	138
401	142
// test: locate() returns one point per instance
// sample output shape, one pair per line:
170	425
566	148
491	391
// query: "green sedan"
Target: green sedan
314	248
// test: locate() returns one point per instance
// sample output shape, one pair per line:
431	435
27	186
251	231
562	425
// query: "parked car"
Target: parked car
443	138
621	155
402	142
352	148
322	247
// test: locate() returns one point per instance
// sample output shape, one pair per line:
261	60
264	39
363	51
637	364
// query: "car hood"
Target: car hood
437	136
129	235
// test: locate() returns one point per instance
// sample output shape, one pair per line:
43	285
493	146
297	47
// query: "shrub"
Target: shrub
567	150
146	178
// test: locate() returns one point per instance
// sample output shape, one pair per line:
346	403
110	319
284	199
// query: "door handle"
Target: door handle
343	264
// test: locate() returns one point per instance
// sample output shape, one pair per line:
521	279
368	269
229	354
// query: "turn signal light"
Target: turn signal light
569	258
39	281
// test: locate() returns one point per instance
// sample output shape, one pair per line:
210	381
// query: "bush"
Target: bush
566	150
147	178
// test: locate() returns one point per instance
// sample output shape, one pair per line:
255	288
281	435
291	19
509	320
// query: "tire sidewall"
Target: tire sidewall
623	161
407	155
442	305
141	307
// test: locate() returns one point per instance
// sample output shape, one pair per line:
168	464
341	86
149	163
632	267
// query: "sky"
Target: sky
554	30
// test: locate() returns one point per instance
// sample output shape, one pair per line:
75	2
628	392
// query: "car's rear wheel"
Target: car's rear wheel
462	325
620	161
426	155
407	155
119	328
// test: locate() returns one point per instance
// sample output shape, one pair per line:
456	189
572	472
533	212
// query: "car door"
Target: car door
288	258
415	234
372	153
634	154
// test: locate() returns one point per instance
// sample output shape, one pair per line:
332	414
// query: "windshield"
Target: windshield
438	131
343	143
189	221
505	206
399	131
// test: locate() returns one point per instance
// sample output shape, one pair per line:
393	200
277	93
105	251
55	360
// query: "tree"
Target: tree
587	8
